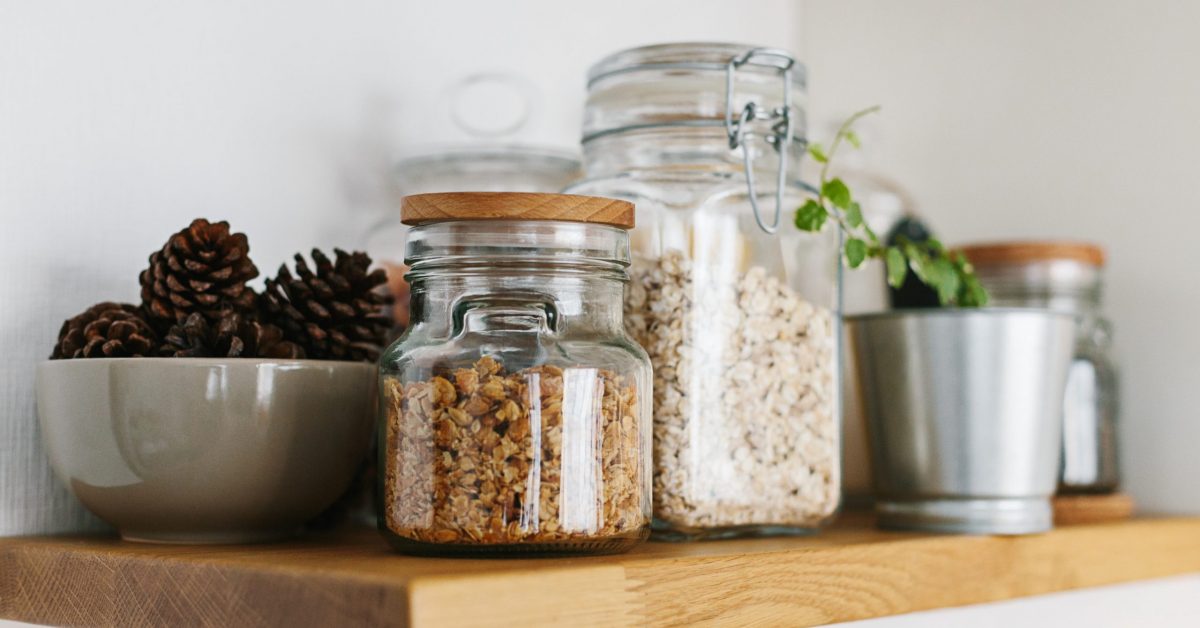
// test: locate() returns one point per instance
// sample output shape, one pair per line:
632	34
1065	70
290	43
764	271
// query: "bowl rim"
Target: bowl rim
955	312
209	362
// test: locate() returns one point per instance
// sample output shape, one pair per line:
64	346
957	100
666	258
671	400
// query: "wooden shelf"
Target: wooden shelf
848	572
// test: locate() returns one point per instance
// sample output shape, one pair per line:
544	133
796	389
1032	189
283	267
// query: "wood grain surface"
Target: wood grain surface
1021	252
846	573
422	208
1070	510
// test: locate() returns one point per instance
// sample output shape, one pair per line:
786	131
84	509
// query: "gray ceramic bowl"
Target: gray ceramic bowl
198	450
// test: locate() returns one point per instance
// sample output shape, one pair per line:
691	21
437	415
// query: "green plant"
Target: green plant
949	273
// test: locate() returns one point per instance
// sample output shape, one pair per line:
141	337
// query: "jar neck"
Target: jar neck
1061	285
558	277
679	150
517	297
1083	303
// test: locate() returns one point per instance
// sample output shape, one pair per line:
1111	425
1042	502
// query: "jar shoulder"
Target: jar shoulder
420	352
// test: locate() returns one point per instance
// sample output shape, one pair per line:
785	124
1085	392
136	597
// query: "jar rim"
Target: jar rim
540	244
741	89
418	209
695	55
1028	252
550	158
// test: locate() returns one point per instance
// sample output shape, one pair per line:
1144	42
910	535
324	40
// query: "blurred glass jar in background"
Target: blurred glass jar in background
495	110
736	307
1066	276
479	168
884	204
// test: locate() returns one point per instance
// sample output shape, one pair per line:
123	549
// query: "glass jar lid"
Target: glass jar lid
487	227
693	84
1056	273
419	209
745	97
486	168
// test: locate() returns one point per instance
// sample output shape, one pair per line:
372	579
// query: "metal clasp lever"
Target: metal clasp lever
781	131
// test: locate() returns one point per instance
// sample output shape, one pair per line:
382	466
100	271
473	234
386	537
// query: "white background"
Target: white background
119	122
1052	118
122	121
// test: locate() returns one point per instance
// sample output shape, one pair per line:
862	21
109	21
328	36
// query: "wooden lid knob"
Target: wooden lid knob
420	209
1001	253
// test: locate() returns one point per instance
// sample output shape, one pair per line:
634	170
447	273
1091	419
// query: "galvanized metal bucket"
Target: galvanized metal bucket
963	411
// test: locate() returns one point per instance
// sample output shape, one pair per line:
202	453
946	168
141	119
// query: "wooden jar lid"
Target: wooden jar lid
420	209
1086	509
999	253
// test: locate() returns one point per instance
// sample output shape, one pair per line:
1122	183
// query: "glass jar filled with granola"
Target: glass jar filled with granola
515	408
737	308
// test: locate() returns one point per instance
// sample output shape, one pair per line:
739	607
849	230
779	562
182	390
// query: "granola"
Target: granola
745	419
543	454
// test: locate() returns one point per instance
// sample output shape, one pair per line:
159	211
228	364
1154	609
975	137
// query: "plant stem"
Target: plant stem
841	135
842	131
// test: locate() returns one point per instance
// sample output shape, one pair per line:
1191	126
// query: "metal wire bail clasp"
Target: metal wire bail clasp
781	131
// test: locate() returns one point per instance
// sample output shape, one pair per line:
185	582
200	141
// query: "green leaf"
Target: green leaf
854	215
837	193
818	153
852	137
856	252
944	279
897	267
918	261
972	293
811	216
935	245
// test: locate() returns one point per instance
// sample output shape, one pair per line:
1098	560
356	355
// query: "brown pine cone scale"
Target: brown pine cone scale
105	330
233	336
204	269
335	312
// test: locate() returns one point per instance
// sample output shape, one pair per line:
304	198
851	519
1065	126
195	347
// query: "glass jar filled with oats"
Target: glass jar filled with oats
515	408
737	308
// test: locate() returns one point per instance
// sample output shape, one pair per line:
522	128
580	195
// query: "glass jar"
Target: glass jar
1067	277
515	409
477	167
737	308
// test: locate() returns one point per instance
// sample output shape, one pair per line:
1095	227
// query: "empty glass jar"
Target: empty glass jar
1067	276
515	408
736	307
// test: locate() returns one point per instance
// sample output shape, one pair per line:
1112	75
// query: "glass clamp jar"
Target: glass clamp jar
1067	277
736	307
515	409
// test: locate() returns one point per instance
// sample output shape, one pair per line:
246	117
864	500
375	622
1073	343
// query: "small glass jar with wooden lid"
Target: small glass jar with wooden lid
515	409
1067	277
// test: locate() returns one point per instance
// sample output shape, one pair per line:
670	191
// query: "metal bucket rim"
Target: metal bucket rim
955	313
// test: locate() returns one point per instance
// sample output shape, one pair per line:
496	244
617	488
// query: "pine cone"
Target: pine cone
233	336
204	269
335	313
105	330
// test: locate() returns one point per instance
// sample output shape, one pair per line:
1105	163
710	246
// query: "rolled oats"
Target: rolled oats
544	454
745	427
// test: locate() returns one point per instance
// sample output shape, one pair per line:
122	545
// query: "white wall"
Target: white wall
121	121
1018	118
1052	118
1024	118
